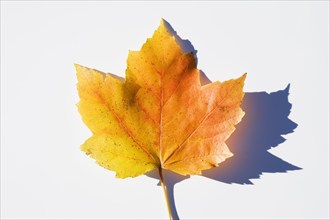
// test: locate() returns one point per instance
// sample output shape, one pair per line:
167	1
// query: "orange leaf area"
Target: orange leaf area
160	116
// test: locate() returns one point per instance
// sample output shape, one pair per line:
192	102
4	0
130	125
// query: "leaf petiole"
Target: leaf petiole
165	192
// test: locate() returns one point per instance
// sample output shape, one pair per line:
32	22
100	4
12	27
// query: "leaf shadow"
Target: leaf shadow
265	121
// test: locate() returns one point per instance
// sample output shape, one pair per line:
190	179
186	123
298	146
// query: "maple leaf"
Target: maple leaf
160	117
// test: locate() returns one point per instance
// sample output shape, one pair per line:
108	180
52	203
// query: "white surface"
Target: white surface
43	173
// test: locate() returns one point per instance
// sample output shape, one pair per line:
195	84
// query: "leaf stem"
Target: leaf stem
165	193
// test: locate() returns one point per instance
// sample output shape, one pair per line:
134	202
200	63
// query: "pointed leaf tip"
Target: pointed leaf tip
287	89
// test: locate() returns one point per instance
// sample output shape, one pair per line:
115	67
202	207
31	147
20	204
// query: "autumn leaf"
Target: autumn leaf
159	117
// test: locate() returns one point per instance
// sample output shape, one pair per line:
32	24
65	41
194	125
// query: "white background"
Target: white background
45	175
